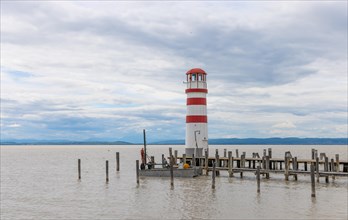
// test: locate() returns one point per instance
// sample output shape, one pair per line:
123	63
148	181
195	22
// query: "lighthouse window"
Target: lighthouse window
193	77
200	77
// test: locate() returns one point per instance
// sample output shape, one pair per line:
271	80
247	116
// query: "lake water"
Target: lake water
40	182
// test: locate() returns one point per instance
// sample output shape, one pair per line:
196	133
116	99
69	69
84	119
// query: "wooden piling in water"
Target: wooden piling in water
313	154
230	164
172	171
305	166
217	161
206	162
237	154
326	169
107	170
286	171
175	156
312	181
145	154
184	158
117	161
213	176
317	168
270	152
152	161
337	162
163	161
258	179
333	167
267	167
295	167
137	170
242	164
79	168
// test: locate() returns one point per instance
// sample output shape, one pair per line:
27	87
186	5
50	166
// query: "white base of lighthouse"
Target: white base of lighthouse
196	139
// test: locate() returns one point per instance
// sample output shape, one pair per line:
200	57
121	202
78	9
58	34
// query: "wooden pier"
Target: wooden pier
289	165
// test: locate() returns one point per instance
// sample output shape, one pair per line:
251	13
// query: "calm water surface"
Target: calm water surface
40	182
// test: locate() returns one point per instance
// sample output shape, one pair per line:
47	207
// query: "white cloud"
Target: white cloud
82	63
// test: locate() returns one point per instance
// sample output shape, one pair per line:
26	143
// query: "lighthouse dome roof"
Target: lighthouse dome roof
196	70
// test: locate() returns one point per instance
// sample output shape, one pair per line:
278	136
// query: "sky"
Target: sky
106	70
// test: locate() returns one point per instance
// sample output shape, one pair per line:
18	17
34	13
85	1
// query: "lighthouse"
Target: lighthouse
196	116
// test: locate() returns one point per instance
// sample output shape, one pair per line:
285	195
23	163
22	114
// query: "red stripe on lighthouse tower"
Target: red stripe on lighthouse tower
196	119
196	90
196	101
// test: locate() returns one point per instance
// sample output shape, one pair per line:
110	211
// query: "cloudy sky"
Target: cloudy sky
106	70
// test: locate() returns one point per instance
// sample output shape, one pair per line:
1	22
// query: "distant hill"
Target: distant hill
270	141
220	141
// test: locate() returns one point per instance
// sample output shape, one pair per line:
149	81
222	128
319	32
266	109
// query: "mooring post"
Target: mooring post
184	158
175	156
117	161
267	167
79	168
333	168
153	162
313	153
107	171
170	153
137	170
305	166
171	171
237	154
264	152
206	162
270	152
162	160
225	155
295	167
230	163
145	155
217	162
326	169
258	179
337	162
312	180
242	164
286	171
317	167
213	176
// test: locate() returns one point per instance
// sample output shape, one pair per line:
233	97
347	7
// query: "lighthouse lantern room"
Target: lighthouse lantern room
196	117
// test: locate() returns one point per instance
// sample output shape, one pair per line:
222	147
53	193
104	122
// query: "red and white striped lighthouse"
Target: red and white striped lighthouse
196	116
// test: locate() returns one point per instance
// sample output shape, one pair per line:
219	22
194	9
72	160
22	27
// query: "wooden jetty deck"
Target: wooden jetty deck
289	165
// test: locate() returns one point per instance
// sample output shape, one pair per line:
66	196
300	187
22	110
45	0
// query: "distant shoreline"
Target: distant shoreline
221	141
